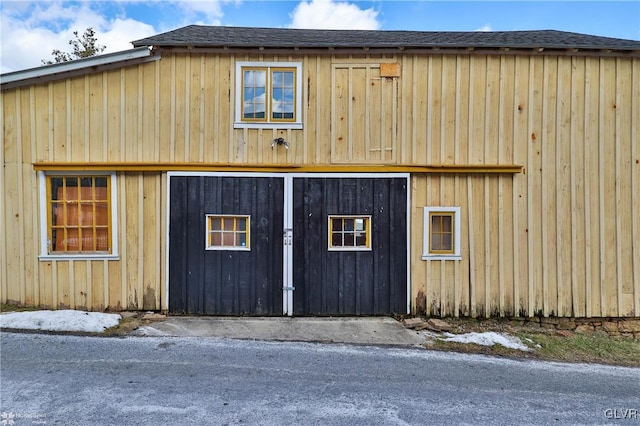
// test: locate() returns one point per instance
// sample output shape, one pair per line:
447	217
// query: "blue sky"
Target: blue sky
32	29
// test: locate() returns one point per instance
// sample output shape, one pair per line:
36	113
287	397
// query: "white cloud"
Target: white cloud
330	14
31	30
121	32
485	28
200	12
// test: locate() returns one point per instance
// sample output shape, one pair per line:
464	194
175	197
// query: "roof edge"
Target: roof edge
78	64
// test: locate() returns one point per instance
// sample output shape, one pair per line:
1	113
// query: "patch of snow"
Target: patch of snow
63	320
487	339
148	331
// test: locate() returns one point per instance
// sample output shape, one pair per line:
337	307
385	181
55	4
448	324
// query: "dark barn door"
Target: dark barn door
225	245
358	280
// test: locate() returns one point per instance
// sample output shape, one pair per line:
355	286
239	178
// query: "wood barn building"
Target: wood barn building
254	171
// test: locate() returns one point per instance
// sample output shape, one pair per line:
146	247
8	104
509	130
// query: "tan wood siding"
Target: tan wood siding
559	239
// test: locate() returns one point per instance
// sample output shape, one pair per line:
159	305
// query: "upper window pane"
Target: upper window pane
283	95
253	94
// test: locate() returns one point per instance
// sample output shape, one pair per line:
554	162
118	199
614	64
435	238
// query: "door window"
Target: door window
349	232
227	232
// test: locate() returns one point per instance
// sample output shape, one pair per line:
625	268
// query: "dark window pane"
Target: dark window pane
435	223
86	182
228	239
216	239
349	240
435	241
56	182
447	244
446	223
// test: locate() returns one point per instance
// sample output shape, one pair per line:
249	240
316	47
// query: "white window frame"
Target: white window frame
247	247
426	241
45	255
267	124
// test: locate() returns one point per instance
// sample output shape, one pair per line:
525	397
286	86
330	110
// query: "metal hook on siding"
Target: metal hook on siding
279	141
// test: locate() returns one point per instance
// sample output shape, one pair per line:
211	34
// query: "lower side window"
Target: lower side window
79	214
441	233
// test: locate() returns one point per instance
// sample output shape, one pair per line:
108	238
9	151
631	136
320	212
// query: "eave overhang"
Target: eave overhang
81	66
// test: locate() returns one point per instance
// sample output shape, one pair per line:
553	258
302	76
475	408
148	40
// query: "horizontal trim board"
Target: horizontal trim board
290	175
328	168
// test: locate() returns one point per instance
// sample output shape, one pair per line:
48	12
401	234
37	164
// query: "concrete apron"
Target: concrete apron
364	331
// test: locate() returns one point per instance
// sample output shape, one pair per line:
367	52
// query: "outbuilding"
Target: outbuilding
260	171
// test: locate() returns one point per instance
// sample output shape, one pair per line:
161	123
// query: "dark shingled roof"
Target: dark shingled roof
244	37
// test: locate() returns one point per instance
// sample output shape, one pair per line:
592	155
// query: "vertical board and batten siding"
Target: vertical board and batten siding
559	239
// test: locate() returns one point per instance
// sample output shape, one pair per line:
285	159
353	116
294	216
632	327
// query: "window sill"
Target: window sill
440	257
277	126
228	248
49	257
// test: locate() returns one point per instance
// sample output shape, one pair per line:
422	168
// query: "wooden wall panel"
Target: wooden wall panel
635	183
13	232
576	207
521	144
623	150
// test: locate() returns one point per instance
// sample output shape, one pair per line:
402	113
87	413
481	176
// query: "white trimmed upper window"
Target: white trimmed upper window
269	95
441	233
78	217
